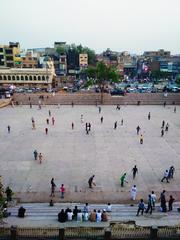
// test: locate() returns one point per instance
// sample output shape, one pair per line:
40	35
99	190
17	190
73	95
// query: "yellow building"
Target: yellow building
8	54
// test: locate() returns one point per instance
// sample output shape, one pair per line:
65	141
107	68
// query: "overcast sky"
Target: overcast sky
122	25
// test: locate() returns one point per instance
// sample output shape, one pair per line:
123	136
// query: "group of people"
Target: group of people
84	215
151	203
53	187
168	174
38	156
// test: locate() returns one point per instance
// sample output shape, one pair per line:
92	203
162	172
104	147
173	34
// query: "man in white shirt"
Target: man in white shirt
133	192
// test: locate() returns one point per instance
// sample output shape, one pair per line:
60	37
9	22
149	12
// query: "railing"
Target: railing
123	232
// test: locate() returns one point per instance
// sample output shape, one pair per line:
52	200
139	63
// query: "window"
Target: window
39	78
9	77
17	78
5	78
13	78
26	78
22	77
30	58
35	78
1	77
30	78
43	78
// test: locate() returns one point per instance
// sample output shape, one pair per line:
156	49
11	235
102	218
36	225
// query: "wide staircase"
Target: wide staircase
96	98
120	212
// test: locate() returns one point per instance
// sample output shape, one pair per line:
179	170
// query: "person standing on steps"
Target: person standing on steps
149	116
122	122
141	207
162	132
72	125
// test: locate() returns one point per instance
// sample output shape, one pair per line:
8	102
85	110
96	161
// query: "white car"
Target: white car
7	94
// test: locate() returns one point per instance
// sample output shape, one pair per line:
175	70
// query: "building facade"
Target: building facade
8	54
29	77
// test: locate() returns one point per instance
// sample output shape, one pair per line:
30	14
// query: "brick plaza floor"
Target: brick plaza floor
72	156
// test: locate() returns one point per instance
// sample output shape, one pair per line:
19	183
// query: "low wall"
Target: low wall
96	98
114	231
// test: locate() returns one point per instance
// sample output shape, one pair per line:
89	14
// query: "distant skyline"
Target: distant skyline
121	25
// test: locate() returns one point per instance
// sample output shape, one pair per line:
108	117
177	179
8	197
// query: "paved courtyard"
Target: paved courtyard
72	156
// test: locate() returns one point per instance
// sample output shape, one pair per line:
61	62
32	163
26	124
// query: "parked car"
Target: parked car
7	94
117	92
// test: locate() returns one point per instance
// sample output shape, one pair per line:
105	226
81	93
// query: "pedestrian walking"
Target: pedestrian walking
141	207
62	190
40	158
141	139
115	125
9	129
122	179
174	109
118	107
122	122
53	121
72	104
154	198
35	154
163	201
164	104
135	171
171	172
101	119
163	124
167	127
170	203
46	131
30	105
162	132
72	125
47	120
166	175
49	113
150	205
149	116
99	109
53	186
91	181
138	129
133	192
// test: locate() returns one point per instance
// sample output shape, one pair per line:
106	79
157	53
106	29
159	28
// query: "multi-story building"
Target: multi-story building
9	54
155	55
29	77
29	61
26	77
83	60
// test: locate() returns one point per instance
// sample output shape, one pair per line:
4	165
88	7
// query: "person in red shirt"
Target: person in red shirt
62	190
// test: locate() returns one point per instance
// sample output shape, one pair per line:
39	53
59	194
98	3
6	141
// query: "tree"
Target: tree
178	79
61	50
102	75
